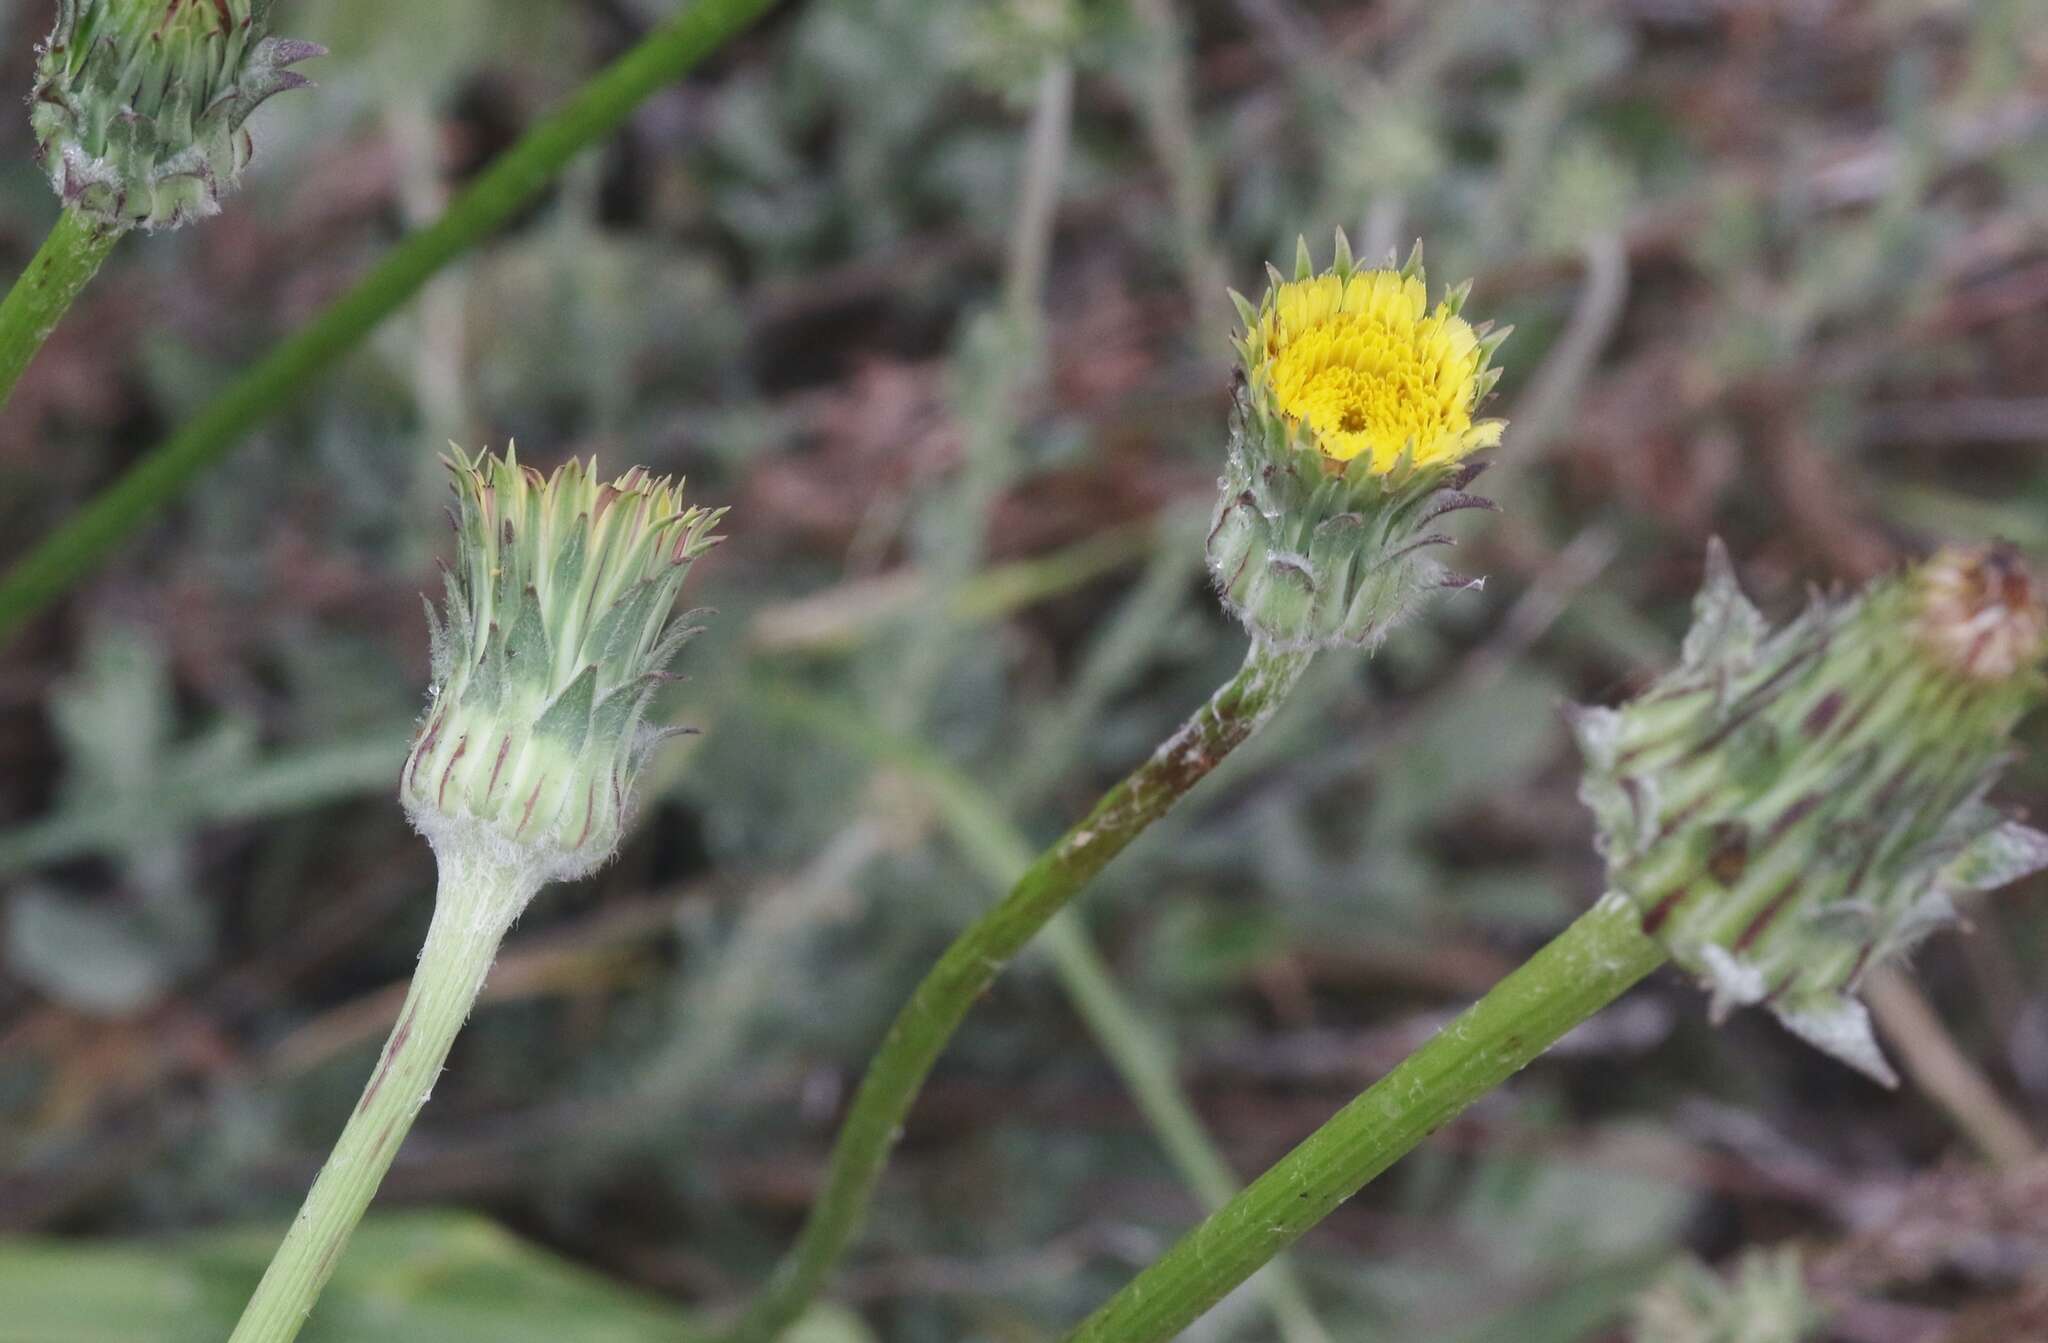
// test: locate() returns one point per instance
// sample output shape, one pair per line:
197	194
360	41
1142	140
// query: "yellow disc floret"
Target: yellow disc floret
1367	369
1348	430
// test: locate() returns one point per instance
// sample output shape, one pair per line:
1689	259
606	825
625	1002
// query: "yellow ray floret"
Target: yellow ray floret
1367	369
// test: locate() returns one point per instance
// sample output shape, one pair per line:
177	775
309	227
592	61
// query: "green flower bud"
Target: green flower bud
139	106
556	636
1788	810
1354	417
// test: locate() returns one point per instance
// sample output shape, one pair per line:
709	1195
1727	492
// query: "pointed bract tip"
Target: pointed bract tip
138	109
1246	313
1413	267
1841	1030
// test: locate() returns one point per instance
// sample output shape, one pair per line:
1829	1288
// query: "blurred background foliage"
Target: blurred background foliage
932	294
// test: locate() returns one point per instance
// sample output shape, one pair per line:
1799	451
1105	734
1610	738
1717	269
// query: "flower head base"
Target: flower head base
1354	419
139	105
1790	809
557	634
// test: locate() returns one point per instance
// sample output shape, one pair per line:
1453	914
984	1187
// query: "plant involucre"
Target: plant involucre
1780	812
138	109
1791	809
1353	423
555	635
139	105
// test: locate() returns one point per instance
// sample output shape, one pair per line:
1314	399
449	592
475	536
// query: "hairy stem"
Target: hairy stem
1583	969
515	178
68	259
971	963
474	906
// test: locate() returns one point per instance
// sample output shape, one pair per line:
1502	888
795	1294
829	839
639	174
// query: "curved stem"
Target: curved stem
972	962
66	262
513	179
1584	968
1145	1062
1143	1057
474	906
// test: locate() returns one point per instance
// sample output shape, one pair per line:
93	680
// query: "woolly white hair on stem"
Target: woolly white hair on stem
555	635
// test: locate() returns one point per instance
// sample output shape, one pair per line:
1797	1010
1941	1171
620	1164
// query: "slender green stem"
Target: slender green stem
971	963
476	903
1583	969
597	109
1143	1060
68	259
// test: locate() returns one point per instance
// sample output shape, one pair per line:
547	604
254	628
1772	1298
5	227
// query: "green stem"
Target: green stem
476	903
1582	970
594	111
1143	1060
66	262
971	963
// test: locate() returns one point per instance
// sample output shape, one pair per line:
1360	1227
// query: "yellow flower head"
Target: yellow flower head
1359	363
1347	438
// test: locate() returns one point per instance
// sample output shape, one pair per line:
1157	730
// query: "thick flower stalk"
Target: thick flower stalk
1789	811
1357	411
555	634
1381	518
140	107
1779	813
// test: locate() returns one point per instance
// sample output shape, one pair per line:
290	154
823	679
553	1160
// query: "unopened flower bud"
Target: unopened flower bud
555	637
1789	810
139	106
1354	418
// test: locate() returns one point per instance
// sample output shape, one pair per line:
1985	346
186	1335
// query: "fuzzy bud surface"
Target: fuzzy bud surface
139	107
1790	809
1353	423
554	637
